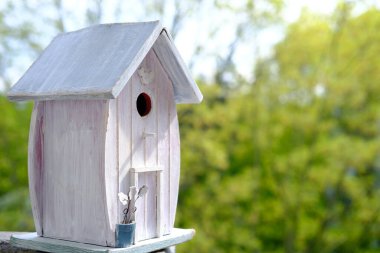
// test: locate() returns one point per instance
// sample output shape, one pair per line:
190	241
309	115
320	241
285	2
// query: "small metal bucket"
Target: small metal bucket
125	235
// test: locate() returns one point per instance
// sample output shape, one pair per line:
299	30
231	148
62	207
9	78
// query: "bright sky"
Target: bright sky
191	34
266	39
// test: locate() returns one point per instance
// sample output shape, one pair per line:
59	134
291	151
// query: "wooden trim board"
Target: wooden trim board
146	169
35	242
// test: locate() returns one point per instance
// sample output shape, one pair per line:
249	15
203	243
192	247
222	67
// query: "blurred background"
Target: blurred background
283	154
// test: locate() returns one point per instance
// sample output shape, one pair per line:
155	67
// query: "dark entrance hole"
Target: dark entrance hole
143	104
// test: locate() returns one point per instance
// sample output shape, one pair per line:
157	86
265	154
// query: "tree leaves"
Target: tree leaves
301	171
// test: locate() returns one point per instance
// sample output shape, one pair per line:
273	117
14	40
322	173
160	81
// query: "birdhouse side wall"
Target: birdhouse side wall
67	163
149	142
35	164
111	173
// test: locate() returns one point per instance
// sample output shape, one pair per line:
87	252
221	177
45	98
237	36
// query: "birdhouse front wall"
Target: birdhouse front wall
149	151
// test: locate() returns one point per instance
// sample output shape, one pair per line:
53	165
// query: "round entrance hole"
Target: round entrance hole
143	104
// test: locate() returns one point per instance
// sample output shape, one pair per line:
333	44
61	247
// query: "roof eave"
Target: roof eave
185	88
20	95
99	95
148	44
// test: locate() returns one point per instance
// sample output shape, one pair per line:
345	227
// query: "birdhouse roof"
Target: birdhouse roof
97	62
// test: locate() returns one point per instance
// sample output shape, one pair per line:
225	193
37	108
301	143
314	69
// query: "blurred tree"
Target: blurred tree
251	18
294	164
15	211
323	95
16	41
24	35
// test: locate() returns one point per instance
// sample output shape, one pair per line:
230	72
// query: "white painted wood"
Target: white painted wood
158	188
111	172
145	47
159	228
124	102
6	236
146	75
175	160
93	149
74	196
133	192
95	62
35	164
34	242
150	126
134	178
98	61
145	153
138	157
146	169
185	88
165	94
149	134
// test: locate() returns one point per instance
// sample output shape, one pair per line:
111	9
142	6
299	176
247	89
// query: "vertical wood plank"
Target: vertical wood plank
35	164
124	105
133	177
164	95
150	87
159	228
133	198
175	159
111	184
145	154
138	154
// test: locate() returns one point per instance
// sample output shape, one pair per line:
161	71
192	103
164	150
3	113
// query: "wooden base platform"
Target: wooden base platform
35	242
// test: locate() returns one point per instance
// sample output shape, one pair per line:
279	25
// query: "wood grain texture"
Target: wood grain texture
149	136
82	153
34	242
143	155
95	62
111	173
124	111
165	108
159	207
175	160
74	173
35	164
185	88
144	147
98	61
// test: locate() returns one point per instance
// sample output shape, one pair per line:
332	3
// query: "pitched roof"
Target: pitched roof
97	62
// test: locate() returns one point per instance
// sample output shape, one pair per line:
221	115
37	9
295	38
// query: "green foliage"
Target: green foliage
292	165
15	212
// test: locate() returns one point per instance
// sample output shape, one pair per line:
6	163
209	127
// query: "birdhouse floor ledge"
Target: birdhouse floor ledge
34	242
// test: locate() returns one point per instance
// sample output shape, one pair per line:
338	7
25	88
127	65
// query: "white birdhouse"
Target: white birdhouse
105	119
